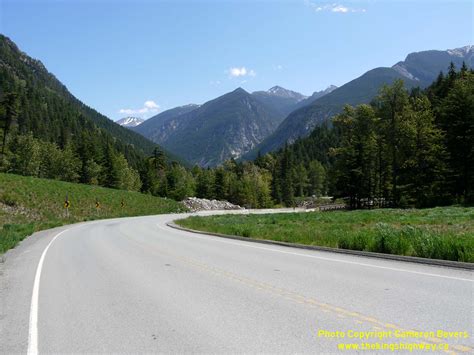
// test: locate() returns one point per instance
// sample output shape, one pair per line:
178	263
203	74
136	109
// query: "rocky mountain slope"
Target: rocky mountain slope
159	127
220	129
280	99
316	95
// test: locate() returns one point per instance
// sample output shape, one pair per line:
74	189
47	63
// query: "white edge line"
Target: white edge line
33	325
247	245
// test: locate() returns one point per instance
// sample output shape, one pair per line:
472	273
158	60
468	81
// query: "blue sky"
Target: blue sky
142	57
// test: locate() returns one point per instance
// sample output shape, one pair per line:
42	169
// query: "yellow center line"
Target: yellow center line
311	302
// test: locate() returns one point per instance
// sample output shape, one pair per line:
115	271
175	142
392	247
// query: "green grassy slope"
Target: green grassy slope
437	233
30	204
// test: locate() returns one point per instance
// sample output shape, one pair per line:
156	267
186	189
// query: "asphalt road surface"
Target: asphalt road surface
135	285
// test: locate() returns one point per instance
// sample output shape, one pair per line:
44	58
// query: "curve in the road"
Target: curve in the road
334	290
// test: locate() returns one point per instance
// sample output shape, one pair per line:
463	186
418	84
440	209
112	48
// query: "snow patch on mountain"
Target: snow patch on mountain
461	52
282	92
130	121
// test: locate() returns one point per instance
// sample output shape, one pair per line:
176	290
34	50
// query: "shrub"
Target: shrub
360	241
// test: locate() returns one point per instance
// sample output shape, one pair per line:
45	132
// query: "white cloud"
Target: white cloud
278	67
149	106
236	72
340	8
332	7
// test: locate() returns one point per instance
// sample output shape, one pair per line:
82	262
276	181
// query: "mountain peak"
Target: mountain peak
240	90
130	121
276	90
282	92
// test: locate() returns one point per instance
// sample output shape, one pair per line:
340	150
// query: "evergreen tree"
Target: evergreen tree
426	165
301	180
316	179
456	116
110	173
8	114
205	183
392	107
180	182
356	157
219	187
287	183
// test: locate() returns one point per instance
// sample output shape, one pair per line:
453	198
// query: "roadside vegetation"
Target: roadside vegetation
29	204
437	233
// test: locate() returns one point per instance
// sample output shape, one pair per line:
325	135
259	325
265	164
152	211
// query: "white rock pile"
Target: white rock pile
201	204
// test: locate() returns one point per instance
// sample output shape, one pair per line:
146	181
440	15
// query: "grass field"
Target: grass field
30	204
438	233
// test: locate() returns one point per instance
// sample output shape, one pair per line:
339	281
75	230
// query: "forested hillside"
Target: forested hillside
47	132
49	109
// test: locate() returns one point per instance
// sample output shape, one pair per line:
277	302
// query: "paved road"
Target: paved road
135	285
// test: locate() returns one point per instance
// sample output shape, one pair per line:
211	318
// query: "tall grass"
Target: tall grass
437	233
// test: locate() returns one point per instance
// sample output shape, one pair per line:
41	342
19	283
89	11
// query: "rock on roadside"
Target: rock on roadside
195	204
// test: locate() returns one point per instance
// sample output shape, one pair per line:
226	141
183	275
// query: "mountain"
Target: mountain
316	95
417	70
159	127
220	129
280	99
425	66
130	121
53	114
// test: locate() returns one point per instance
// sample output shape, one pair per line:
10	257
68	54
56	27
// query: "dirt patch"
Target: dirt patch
20	211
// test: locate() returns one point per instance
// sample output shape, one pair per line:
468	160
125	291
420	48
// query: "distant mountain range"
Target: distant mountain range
418	70
226	127
130	121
